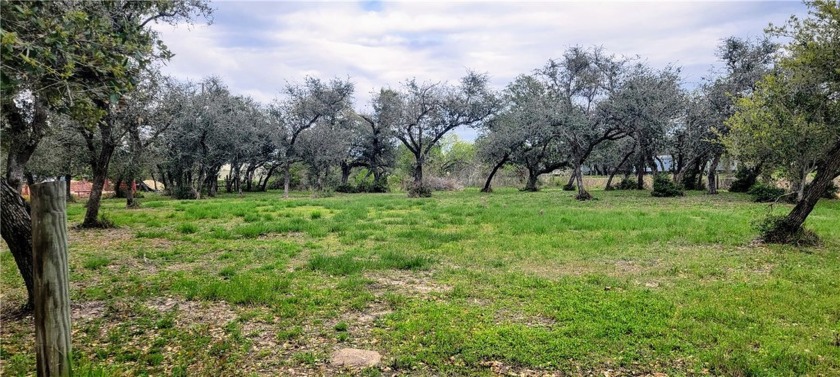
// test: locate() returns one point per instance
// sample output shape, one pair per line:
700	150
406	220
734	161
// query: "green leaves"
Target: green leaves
66	50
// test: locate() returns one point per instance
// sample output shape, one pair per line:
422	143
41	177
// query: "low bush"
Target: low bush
664	187
765	193
183	192
419	190
744	180
347	189
372	187
626	184
362	187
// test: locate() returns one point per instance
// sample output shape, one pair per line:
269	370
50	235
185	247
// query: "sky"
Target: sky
258	47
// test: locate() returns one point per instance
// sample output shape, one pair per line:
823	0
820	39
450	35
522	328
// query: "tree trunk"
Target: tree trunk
640	174
678	164
92	213
249	175
713	175
167	187
286	178
792	224
68	178
654	168
264	186
582	193
801	184
16	229
318	185
496	168
570	185
679	175
345	173
531	184
614	171
24	132
212	185
99	166
118	192
14	168
659	164
418	170
130	200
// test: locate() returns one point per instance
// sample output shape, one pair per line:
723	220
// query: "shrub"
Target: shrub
363	186
664	187
744	180
626	184
347	189
183	192
764	193
419	190
443	184
776	229
372	187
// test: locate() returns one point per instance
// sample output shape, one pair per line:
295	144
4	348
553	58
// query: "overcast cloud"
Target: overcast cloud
258	46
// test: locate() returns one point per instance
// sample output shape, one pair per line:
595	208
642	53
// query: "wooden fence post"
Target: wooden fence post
51	275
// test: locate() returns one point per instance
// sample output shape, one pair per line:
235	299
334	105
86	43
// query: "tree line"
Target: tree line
82	93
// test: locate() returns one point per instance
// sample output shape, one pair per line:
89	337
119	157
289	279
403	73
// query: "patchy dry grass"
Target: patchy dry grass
458	284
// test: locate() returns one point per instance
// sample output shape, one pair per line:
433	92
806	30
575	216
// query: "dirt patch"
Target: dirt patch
627	267
499	368
194	311
87	310
103	239
142	265
356	358
409	283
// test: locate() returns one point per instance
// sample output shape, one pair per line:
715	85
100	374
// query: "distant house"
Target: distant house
80	189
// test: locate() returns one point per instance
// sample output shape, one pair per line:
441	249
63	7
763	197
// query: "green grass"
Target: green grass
187	228
95	262
449	285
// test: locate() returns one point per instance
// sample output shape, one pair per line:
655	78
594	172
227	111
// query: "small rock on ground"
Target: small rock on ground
352	357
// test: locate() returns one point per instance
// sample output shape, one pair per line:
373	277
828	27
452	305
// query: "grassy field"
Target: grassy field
459	284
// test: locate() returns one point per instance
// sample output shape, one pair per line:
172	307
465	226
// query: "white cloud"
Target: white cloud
256	47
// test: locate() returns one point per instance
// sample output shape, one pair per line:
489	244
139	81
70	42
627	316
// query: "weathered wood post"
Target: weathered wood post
51	273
